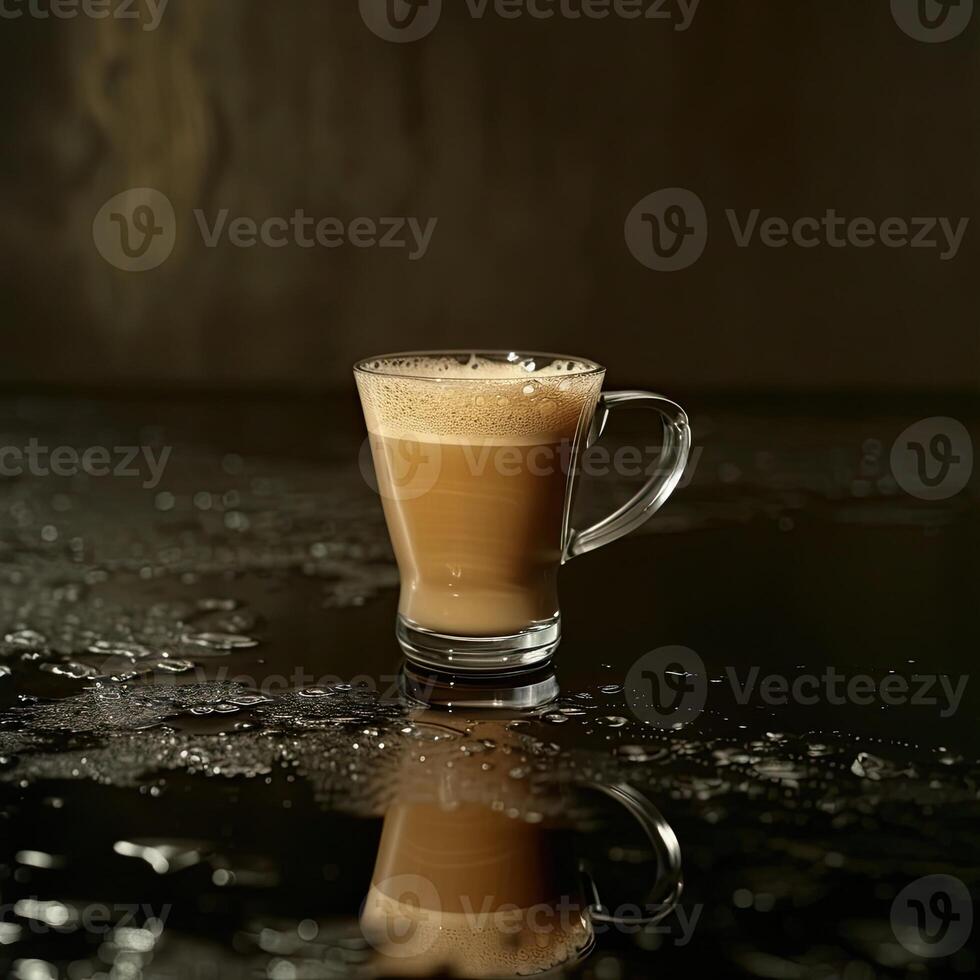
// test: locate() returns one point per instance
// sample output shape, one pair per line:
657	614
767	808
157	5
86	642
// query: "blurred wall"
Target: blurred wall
530	140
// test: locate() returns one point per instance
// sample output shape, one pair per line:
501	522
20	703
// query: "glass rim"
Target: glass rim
361	366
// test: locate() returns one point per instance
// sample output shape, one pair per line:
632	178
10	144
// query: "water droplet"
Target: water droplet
217	605
872	767
70	669
611	689
221	641
556	718
26	638
642	753
131	651
782	769
170	666
611	721
315	692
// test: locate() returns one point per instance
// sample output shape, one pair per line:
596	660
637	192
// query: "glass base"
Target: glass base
480	695
462	654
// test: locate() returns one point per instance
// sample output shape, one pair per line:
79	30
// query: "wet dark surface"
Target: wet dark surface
202	727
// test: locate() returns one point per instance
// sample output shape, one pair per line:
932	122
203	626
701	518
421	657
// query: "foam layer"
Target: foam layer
477	399
513	942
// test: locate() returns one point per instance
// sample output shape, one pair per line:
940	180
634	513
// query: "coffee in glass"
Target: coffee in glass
475	455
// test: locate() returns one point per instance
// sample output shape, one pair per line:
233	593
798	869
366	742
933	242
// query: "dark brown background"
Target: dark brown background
530	141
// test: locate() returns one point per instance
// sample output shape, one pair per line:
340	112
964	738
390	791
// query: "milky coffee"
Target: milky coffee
472	461
474	891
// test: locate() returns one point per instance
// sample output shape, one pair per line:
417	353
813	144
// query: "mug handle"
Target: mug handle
670	882
653	494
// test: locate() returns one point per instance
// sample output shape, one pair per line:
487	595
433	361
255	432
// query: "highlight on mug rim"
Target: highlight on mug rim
388	365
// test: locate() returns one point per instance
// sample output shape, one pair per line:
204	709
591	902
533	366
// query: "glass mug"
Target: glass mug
475	455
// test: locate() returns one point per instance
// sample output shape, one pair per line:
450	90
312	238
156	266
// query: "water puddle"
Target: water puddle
172	793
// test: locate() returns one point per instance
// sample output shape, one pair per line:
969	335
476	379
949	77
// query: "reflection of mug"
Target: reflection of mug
475	455
477	891
479	876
